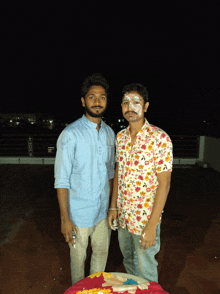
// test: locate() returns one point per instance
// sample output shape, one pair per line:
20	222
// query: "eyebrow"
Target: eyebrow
100	94
133	98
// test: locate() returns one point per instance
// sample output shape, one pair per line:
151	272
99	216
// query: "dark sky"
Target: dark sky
170	47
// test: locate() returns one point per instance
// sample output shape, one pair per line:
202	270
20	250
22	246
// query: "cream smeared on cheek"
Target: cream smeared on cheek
132	99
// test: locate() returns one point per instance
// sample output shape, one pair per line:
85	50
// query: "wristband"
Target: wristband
113	209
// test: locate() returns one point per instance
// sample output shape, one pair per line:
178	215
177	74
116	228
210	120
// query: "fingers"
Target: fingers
74	229
111	217
148	243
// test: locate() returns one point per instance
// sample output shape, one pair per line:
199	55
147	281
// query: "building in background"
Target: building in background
27	119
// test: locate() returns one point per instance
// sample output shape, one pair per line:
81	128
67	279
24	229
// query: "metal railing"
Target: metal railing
44	145
38	145
185	146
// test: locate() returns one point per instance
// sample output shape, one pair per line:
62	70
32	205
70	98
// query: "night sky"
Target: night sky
172	48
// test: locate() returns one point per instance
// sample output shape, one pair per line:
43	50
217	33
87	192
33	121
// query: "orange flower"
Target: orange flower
164	145
153	187
138	183
150	147
127	148
167	158
142	193
137	156
146	178
127	168
121	152
151	133
144	222
146	205
132	200
135	230
119	135
141	166
159	168
152	143
138	212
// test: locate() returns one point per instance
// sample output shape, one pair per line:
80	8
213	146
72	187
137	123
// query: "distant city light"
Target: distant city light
119	120
51	121
11	120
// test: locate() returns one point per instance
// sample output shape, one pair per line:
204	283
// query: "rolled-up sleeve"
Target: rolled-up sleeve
64	160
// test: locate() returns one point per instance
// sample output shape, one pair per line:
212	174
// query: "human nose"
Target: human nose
130	106
97	100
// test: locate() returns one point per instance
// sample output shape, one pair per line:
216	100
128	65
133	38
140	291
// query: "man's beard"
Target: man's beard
95	114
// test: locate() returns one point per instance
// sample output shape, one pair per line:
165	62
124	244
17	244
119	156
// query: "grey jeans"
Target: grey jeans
139	262
100	240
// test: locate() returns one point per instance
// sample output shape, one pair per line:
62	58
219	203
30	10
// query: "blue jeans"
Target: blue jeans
139	262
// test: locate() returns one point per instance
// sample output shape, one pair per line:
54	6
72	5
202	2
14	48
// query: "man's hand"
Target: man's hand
148	236
66	230
112	215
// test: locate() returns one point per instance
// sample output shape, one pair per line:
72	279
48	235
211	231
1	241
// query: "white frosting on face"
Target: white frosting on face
133	104
131	97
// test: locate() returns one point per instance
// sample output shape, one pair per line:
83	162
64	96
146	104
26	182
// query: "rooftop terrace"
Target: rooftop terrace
35	257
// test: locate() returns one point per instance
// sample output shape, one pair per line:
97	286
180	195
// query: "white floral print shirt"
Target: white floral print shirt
137	174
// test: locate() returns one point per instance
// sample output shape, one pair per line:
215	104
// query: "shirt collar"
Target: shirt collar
145	126
90	123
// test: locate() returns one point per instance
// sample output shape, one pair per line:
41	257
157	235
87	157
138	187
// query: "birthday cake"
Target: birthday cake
114	283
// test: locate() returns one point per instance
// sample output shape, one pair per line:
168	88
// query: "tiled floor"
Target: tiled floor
35	257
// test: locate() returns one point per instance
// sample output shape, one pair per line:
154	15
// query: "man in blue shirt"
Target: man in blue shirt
84	171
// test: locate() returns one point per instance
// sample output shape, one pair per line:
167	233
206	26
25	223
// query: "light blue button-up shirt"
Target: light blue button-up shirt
84	165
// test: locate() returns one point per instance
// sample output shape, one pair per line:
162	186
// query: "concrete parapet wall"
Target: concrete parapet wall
212	153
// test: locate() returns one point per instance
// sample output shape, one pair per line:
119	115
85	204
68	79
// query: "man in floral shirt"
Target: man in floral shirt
141	185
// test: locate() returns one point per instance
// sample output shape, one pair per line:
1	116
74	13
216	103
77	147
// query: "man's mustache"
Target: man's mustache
130	112
97	107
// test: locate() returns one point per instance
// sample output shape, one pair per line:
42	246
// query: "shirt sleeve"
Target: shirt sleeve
64	160
163	154
111	169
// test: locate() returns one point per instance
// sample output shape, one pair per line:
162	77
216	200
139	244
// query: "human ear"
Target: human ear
83	101
146	106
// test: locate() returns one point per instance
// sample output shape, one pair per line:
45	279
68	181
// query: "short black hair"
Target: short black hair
95	79
138	88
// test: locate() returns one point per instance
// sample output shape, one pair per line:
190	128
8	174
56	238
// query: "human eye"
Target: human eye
103	97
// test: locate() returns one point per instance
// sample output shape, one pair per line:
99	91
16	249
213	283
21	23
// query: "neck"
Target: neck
96	120
136	126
